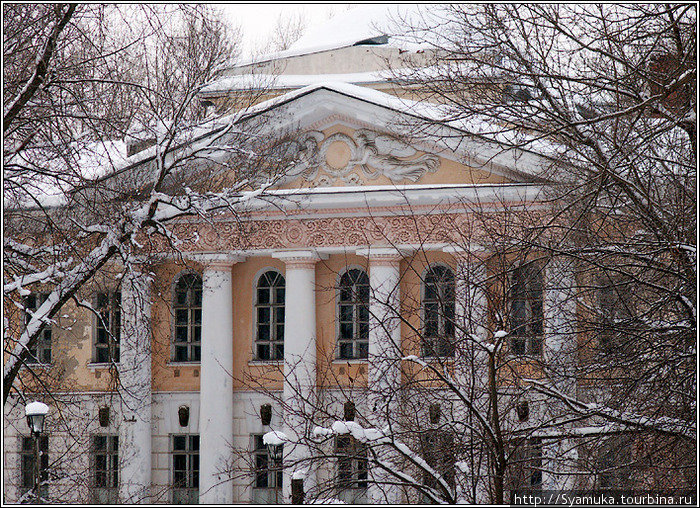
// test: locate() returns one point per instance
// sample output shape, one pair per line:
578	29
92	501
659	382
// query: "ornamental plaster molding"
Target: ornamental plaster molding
372	153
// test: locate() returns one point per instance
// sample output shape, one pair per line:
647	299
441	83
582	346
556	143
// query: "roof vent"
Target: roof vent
373	41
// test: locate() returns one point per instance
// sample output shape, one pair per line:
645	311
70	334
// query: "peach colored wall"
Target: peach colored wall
166	374
448	171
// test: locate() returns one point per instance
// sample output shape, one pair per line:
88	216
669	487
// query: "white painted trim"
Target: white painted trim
254	321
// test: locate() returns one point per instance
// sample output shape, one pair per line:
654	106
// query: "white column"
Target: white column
135	378
384	362
299	365
216	389
471	367
560	324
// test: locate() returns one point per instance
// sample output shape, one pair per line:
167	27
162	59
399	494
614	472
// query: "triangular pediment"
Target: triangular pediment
346	136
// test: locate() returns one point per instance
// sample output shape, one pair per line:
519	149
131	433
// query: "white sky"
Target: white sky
258	20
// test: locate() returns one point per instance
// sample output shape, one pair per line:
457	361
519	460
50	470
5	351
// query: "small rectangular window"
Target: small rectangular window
185	468
28	465
40	352
105	469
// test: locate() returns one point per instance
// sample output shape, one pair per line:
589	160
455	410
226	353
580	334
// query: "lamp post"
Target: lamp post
36	413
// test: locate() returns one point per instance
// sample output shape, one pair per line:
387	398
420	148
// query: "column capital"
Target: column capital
217	260
383	255
298	258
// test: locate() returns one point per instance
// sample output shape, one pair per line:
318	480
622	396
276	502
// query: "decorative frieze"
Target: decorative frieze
320	159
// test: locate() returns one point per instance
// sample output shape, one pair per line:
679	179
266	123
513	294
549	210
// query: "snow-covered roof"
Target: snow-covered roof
352	27
286	81
422	110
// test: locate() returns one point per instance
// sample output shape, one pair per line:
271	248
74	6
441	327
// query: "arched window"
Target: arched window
438	311
353	315
187	309
269	311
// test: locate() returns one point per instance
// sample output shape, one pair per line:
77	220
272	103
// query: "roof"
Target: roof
356	26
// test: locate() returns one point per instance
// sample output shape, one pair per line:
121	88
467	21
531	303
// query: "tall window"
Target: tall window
526	317
108	327
352	469
185	453
187	308
105	469
615	314
613	463
353	315
438	312
438	449
40	352
526	466
267	486
269	312
28	465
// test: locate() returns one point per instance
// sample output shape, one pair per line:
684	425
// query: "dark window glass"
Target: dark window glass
353	314
268	472
438	312
185	472
28	465
526	466
526	319
352	463
269	305
105	464
108	327
187	311
40	352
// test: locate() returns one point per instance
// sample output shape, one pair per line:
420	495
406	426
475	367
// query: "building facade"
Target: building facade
375	242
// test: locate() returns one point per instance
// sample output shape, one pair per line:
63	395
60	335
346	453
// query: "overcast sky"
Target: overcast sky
258	20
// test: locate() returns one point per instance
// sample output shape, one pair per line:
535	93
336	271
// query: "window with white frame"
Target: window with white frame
353	315
107	327
352	469
105	469
269	316
438	449
438	312
185	468
187	312
267	482
526	319
40	352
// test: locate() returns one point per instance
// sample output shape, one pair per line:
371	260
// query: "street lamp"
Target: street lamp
274	441
36	414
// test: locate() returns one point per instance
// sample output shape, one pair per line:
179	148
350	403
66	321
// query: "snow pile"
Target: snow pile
330	500
36	408
275	438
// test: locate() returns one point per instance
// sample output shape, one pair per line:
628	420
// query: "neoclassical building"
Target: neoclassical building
373	214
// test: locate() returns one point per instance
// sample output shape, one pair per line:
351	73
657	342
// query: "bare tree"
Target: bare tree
85	86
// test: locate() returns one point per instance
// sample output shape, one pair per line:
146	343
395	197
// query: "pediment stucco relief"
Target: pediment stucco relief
320	160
